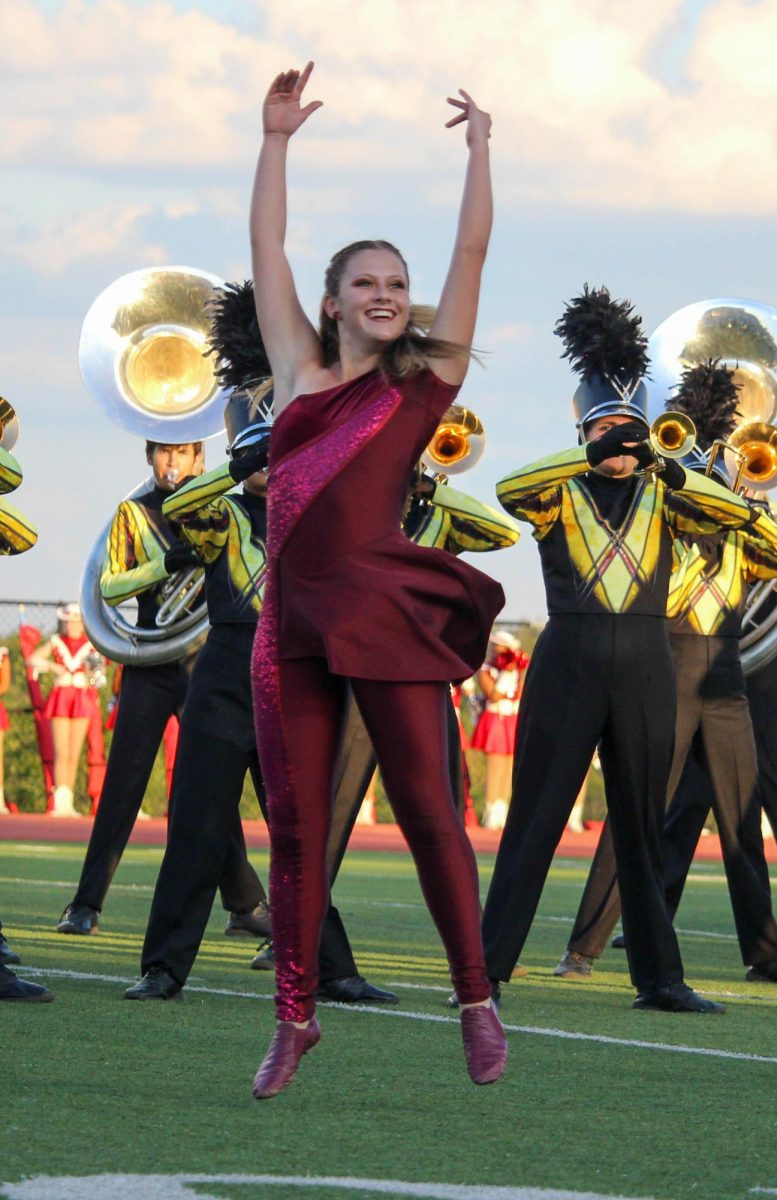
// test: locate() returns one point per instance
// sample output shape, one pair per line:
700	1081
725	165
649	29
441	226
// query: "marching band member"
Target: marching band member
602	670
218	745
707	596
17	534
72	702
142	551
349	597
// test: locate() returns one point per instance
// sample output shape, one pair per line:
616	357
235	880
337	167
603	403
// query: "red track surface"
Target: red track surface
31	827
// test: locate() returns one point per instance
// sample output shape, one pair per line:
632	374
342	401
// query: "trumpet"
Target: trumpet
750	454
672	435
458	442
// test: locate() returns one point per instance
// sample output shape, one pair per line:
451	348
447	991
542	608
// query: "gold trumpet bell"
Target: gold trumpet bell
751	456
458	442
672	435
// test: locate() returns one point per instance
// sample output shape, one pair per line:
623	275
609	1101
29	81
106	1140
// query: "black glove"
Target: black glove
180	558
618	440
672	474
249	452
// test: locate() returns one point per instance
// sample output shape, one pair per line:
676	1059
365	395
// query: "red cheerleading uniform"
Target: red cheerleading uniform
71	696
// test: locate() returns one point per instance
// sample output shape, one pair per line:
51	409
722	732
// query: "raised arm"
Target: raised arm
289	338
458	307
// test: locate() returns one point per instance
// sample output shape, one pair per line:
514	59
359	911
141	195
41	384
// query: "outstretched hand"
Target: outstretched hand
281	111
478	122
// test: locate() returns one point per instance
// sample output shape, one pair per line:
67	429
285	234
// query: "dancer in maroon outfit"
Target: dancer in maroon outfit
348	596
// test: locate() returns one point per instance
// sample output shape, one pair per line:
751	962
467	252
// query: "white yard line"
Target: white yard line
436	1018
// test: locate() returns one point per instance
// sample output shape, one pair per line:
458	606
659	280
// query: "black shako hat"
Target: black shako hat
607	347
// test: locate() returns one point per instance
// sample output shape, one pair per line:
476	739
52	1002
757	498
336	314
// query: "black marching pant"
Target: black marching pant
217	746
149	697
594	679
714	764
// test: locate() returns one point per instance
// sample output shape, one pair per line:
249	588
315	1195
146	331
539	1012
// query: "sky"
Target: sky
633	146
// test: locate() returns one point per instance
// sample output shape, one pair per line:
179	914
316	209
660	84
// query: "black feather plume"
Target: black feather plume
241	359
708	395
603	337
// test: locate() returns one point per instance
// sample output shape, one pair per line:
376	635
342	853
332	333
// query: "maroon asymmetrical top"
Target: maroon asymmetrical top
346	583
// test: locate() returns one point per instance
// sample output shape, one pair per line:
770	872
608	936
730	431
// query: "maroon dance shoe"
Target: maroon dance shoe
485	1045
282	1059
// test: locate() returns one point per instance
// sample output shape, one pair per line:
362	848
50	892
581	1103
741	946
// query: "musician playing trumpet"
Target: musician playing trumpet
602	672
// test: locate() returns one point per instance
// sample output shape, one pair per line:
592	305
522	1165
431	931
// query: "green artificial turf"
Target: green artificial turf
93	1084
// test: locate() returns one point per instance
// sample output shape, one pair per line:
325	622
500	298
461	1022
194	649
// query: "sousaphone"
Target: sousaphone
142	358
743	335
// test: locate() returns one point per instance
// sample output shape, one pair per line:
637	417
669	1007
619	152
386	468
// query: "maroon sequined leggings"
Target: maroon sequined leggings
408	728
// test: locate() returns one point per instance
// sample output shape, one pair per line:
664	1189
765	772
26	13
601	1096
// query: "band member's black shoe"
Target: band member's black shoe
8	957
19	990
763	972
618	942
156	984
79	918
253	924
354	990
676	997
265	957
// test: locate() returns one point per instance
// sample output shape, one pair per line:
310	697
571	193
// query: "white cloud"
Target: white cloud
53	247
583	113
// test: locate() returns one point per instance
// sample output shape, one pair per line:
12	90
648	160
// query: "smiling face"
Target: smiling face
372	303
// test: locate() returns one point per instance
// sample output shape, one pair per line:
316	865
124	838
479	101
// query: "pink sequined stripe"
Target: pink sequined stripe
296	481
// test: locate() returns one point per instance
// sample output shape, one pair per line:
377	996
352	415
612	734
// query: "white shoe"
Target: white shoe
63	802
495	815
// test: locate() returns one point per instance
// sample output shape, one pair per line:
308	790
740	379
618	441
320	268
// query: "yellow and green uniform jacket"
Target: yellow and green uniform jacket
228	534
134	564
606	545
17	532
711	576
450	520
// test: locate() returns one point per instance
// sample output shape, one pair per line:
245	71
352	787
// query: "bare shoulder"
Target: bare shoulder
308	378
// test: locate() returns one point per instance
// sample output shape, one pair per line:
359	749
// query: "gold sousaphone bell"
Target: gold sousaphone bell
142	355
458	442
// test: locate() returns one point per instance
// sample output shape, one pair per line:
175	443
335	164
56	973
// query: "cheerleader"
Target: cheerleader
500	680
71	703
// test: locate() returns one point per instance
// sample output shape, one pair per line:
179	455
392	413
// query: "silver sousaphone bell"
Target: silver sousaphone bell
743	335
142	359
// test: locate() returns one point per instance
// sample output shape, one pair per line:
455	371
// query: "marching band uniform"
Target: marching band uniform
137	562
713	722
17	534
601	673
218	744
